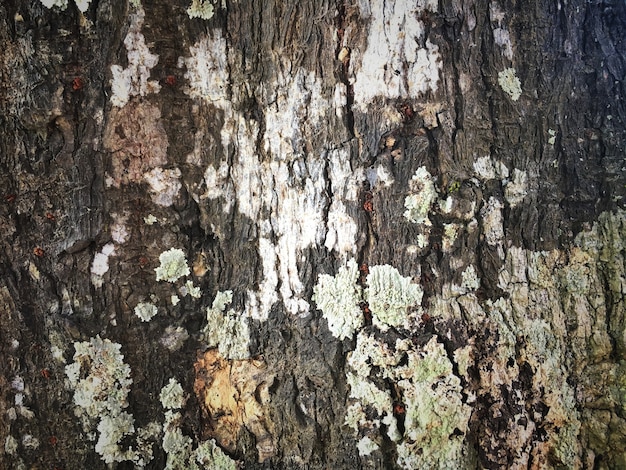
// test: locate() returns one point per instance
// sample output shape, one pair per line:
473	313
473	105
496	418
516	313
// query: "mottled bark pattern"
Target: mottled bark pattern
271	145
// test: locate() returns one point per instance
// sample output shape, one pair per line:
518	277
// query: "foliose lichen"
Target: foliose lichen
145	311
392	298
172	395
173	265
510	83
228	331
338	298
101	382
423	195
202	9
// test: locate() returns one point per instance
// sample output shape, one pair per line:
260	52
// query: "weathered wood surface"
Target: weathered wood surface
417	207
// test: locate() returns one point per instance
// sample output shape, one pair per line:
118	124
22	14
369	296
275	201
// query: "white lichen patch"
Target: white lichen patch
150	219
119	233
515	191
207	69
10	445
552	138
423	195
338	298
492	222
203	9
392	298
431	395
510	83
174	338
450	234
173	265
180	449
145	311
190	290
228	331
134	79
101	382
435	411
172	396
164	185
469	279
488	169
100	264
82	5
397	63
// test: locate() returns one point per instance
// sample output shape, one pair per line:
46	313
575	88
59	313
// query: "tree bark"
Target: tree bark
312	234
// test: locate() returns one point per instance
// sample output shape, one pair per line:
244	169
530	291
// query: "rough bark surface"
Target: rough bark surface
358	234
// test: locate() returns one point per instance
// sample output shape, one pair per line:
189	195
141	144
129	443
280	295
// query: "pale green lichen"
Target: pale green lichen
101	382
552	138
228	331
338	298
10	445
436	417
145	311
173	265
172	395
203	9
423	195
191	290
450	233
180	452
510	83
391	297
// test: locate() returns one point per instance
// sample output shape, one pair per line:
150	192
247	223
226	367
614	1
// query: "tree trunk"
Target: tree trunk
312	234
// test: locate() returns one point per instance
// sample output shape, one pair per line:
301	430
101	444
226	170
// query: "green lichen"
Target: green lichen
228	331
173	265
422	197
101	382
145	311
180	452
203	9
391	297
172	396
510	83
436	417
338	298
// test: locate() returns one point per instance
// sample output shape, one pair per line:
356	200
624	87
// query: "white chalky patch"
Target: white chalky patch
394	65
133	80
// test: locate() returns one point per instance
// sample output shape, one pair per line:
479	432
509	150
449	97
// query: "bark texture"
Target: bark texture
363	234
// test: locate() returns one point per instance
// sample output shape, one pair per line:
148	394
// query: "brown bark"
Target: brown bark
273	143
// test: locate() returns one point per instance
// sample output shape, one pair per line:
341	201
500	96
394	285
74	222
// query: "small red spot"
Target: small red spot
45	373
37	251
143	261
50	216
367	313
10	198
52	440
368	206
426	318
77	84
399	409
170	80
364	268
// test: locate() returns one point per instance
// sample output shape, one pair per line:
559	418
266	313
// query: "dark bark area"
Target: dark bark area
250	168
